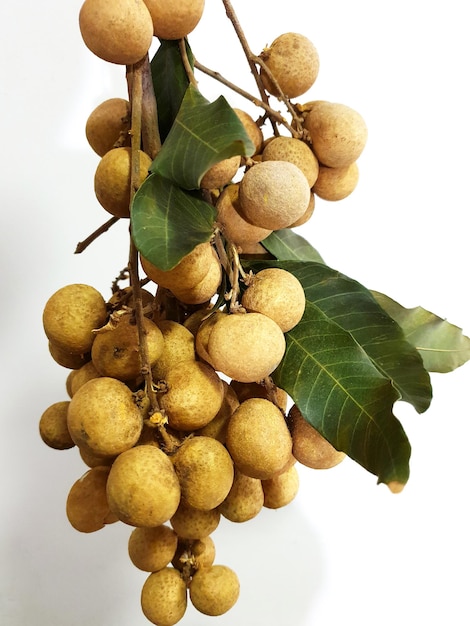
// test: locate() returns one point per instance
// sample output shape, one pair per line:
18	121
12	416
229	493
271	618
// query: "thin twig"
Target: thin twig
186	63
82	245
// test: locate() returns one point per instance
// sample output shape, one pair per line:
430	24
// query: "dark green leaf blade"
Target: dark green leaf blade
442	345
340	392
170	82
202	134
287	245
167	222
352	306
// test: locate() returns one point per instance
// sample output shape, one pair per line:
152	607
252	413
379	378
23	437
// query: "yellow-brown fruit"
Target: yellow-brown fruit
310	447
95	460
217	427
152	549
280	490
143	489
103	417
112	180
257	390
164	597
258	439
206	288
273	194
303	219
294	63
233	226
119	32
174	19
244	500
53	427
214	590
295	151
338	132
108	125
336	183
67	359
194	321
278	294
124	298
194	395
178	346
252	129
188	272
246	346
87	507
221	173
191	523
205	472
203	334
82	376
70	316
116	352
194	554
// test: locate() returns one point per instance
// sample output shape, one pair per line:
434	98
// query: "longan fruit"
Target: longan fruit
107	124
338	132
178	346
246	346
71	315
206	288
233	226
203	334
164	597
174	19
214	590
152	549
295	151
196	554
103	417
205	472
221	173
191	523
273	194
53	428
193	397
95	460
217	427
258	439
115	351
112	181
252	129
281	489
143	488
278	294
82	376
294	63
244	500
336	183
87	506
119	32
303	219
257	390
309	447
67	359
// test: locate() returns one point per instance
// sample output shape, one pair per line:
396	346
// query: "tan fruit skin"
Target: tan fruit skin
188	272
119	32
258	439
206	288
174	19
191	523
336	183
221	173
295	151
280	490
164	597
152	549
217	427
245	499
252	129
108	123
53	428
178	346
87	507
214	590
234	227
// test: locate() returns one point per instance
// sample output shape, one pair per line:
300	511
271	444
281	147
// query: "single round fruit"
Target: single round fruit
103	417
87	506
53	428
174	19
336	183
143	489
82	376
338	132
294	63
108	124
221	173
206	288
295	151
280	490
273	194
303	219
152	549
278	294
178	346
244	500
119	32
258	439
252	129
113	179
67	359
217	427
230	221
214	590
164	597
71	315
191	523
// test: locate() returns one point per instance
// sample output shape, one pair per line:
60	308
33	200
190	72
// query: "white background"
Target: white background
345	550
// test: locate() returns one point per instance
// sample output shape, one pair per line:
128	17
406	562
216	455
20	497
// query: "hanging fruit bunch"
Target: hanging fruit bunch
234	352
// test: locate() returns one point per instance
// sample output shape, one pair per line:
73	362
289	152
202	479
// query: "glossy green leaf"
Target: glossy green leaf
202	134
442	345
340	392
350	305
286	245
168	222
170	82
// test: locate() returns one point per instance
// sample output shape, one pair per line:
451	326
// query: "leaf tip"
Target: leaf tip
395	486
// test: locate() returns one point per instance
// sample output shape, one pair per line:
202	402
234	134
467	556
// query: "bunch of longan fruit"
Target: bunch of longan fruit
173	410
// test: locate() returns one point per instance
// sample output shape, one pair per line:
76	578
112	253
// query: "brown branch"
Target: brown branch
82	245
186	63
151	141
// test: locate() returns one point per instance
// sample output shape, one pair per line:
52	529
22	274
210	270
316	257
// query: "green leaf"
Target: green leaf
286	245
167	222
442	345
170	82
202	134
350	305
339	391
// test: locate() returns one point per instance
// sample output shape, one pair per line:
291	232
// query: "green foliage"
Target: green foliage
286	245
